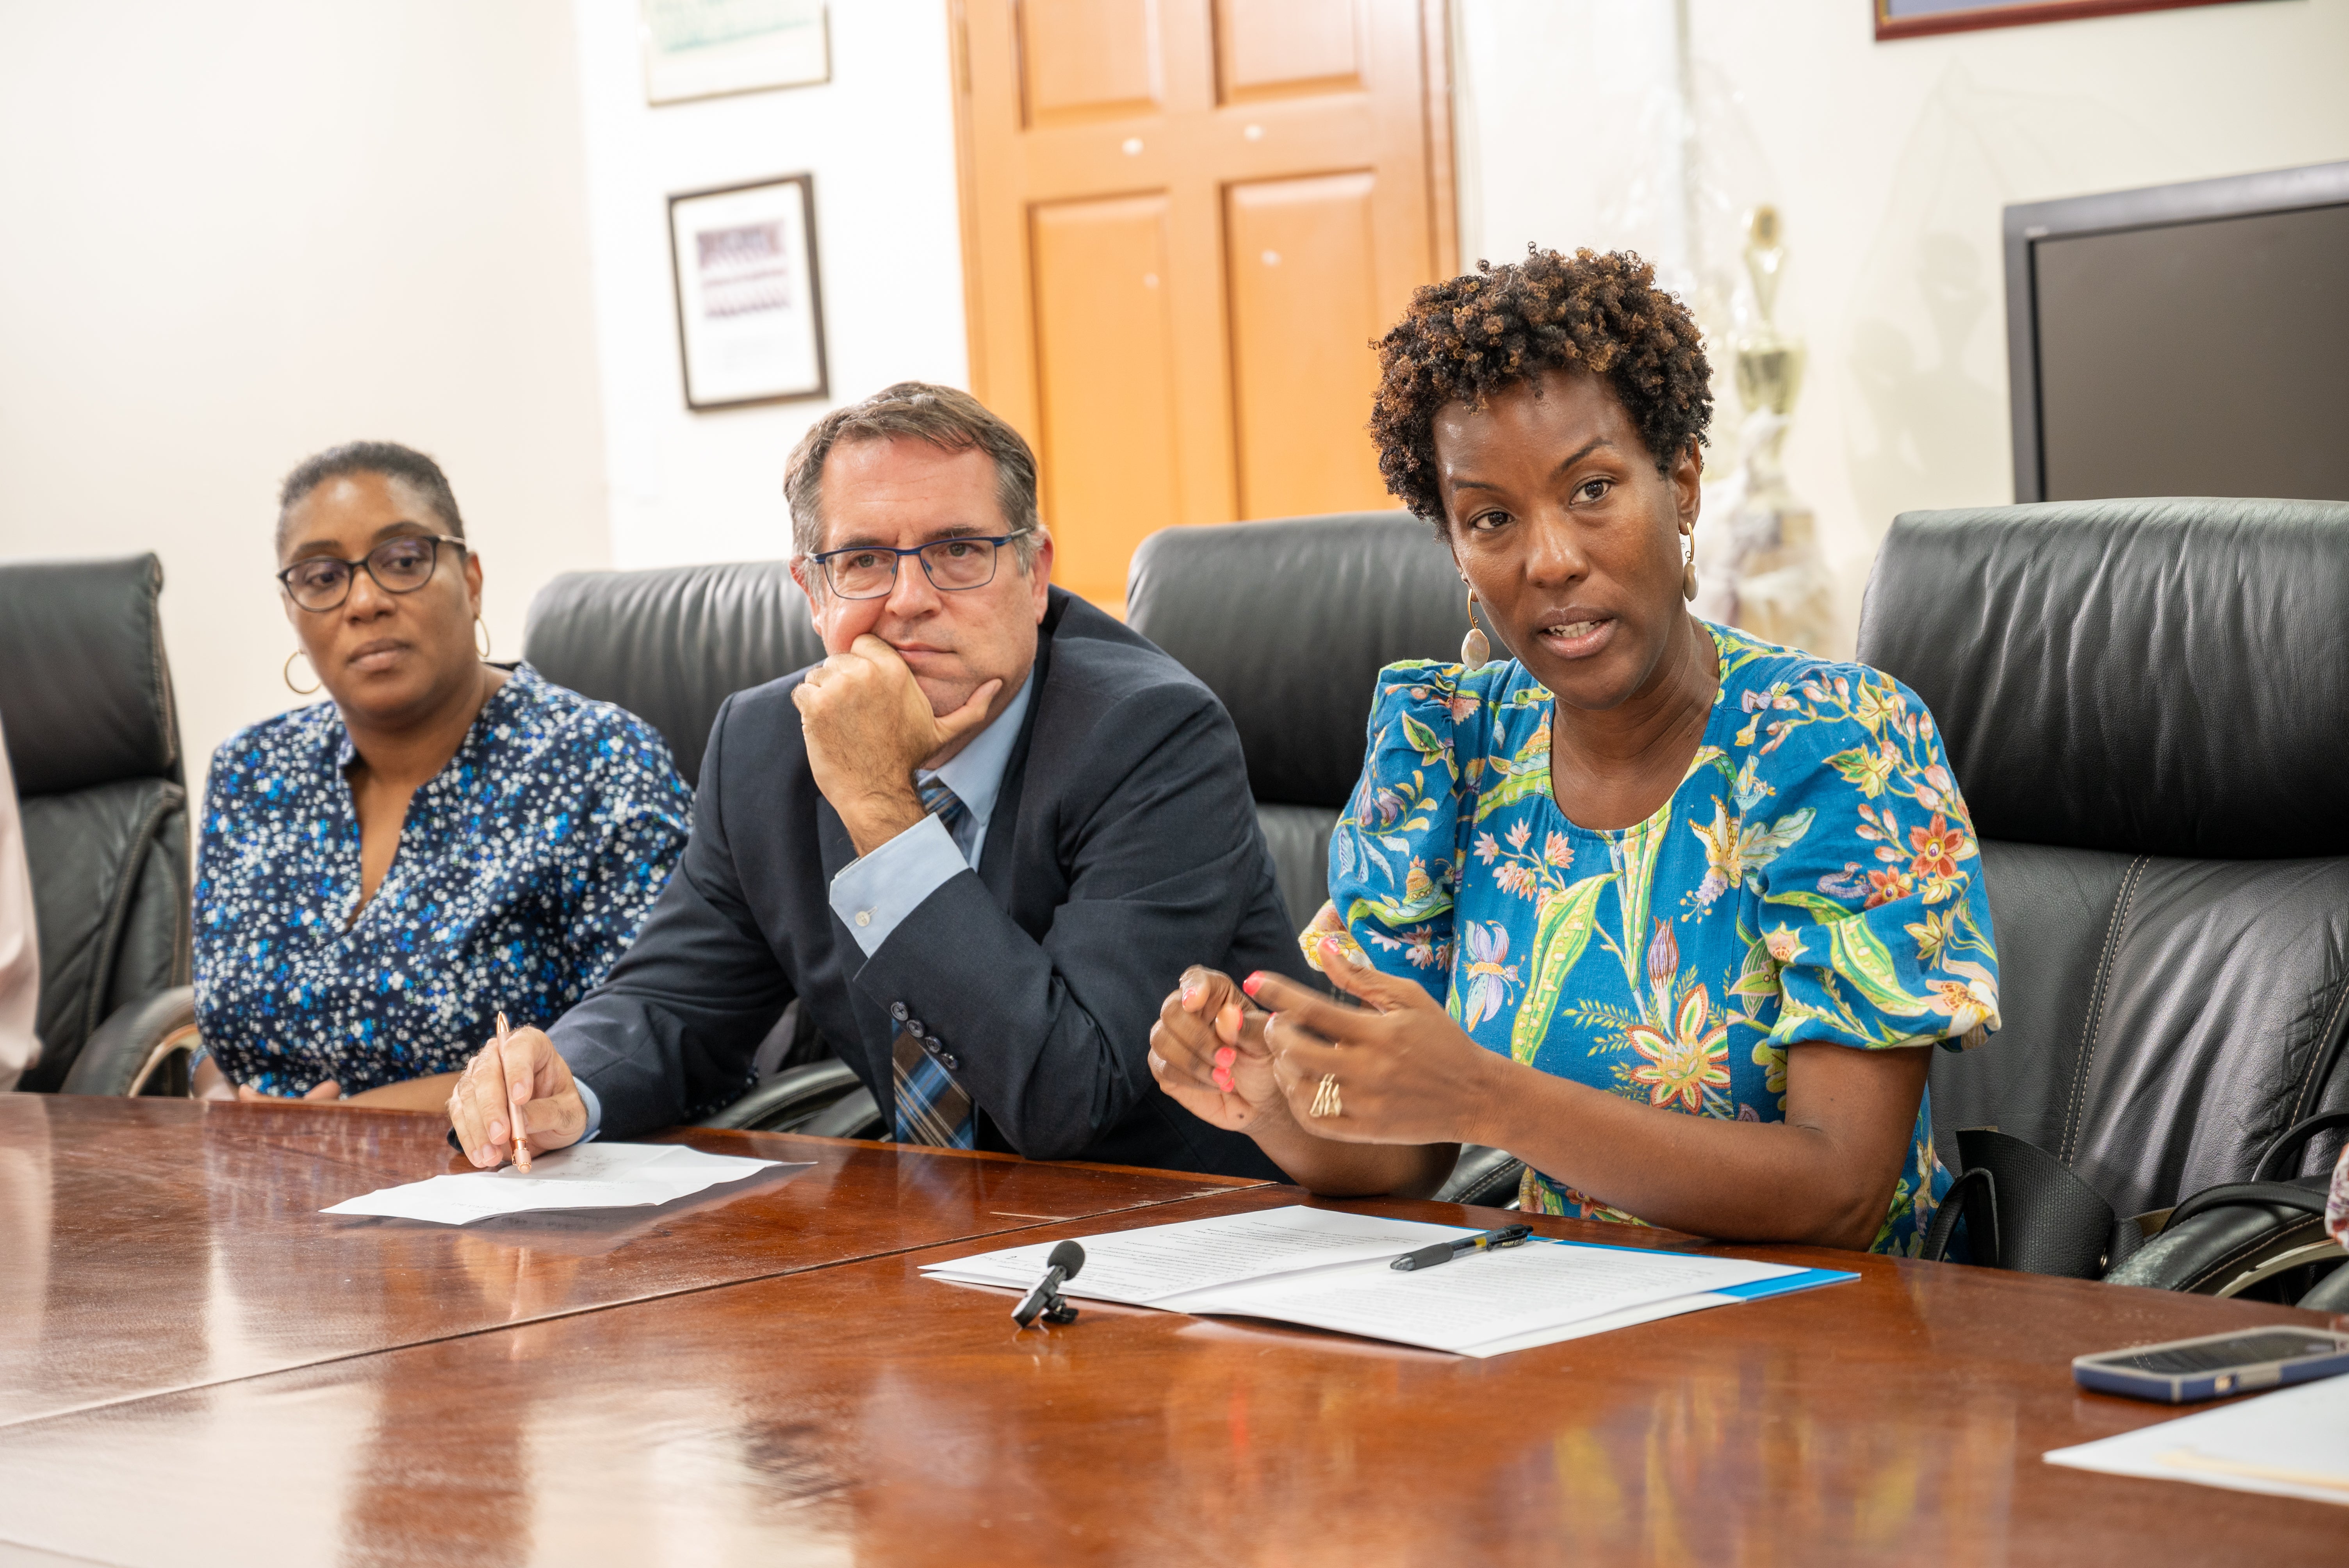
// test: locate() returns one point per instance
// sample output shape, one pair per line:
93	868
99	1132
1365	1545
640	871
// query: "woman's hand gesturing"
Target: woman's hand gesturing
1207	1052
1405	1072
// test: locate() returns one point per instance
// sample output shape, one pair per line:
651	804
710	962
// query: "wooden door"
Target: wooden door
1184	222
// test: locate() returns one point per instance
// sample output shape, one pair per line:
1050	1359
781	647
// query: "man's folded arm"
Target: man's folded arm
1049	1038
674	1026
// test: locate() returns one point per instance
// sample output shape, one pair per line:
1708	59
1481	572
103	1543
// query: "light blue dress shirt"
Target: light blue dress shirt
874	894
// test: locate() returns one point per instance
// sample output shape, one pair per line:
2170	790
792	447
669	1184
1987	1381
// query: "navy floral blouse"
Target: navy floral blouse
523	871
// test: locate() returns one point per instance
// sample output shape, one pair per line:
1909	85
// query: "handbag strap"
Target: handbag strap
1973	1198
2282	1194
2292	1141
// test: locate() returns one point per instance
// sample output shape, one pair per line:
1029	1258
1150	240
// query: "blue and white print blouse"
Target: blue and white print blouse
1814	879
523	870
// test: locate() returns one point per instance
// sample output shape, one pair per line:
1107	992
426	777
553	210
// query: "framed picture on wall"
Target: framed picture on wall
749	307
707	48
1914	18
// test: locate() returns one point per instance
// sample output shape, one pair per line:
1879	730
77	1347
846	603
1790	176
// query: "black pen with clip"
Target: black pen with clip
1427	1257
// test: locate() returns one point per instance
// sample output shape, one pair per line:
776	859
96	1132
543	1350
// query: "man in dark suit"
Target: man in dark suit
979	842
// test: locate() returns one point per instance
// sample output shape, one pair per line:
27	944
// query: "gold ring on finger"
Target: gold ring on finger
1326	1102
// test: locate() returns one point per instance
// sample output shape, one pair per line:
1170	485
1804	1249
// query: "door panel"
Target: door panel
1305	305
1106	141
1104	361
1083	59
1266	49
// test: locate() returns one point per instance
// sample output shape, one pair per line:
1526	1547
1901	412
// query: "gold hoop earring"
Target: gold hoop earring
1474	649
481	644
288	673
1688	571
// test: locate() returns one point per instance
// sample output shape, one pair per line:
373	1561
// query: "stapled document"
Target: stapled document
1330	1269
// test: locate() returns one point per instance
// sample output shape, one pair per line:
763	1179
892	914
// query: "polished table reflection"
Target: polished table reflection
766	1378
152	1244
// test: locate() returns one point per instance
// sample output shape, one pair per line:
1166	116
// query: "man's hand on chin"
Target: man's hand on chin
868	728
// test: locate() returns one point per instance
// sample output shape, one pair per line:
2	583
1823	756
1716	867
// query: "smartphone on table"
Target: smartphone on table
2215	1365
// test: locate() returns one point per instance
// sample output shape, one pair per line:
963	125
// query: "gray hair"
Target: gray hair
948	419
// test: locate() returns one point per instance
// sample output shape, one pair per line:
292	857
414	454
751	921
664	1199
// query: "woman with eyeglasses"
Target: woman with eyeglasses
380	875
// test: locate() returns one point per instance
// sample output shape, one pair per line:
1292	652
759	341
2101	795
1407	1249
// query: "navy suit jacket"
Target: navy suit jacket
1124	846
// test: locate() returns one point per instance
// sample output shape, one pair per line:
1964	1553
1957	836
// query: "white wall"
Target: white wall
1891	163
237	234
879	139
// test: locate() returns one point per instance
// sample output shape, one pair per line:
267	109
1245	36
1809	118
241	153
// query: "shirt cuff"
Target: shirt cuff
874	894
595	1109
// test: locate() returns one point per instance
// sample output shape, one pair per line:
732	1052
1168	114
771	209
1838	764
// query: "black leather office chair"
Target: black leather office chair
1289	624
670	646
94	743
2146	704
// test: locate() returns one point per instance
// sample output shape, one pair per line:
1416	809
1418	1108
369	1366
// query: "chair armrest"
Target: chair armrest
780	1101
853	1115
1484	1178
133	1052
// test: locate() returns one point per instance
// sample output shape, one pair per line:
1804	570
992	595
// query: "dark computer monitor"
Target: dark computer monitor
2183	340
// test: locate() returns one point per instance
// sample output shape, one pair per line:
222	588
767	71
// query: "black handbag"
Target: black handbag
2263	1238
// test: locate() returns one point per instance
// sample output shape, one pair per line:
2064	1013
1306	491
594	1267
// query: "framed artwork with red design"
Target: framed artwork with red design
1917	19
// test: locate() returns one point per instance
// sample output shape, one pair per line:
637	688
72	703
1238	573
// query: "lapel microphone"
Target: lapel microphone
1046	1298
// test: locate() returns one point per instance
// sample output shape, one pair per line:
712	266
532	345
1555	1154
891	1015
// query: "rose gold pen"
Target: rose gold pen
521	1144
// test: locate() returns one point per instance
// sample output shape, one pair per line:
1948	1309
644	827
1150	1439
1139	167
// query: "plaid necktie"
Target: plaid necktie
931	1107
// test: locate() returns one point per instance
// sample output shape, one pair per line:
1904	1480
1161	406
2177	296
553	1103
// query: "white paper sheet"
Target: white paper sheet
1139	1267
1327	1268
2291	1443
1521	1295
586	1176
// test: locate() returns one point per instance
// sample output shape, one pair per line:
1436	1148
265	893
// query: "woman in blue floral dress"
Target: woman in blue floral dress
380	875
1667	912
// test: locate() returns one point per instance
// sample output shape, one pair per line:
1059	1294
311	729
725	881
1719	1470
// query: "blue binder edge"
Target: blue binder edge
1810	1279
1785	1285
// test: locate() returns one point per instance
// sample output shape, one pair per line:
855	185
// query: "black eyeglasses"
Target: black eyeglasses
399	565
953	565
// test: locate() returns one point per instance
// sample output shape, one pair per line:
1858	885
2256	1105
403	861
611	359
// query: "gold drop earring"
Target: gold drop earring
1474	649
1687	570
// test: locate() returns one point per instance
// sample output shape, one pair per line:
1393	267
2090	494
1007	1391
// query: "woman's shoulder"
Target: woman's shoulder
294	744
552	719
1762	679
1821	724
1451	702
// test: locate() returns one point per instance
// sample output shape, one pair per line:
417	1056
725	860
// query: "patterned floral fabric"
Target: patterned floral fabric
523	870
1813	878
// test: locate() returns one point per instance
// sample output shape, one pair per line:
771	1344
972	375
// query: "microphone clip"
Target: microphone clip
1044	1298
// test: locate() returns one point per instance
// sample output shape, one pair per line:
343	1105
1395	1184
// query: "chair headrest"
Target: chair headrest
2156	676
1288	622
87	698
670	646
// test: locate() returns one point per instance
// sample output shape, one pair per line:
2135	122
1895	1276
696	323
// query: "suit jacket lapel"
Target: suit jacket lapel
998	857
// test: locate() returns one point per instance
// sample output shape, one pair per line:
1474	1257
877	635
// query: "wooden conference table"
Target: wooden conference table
196	1367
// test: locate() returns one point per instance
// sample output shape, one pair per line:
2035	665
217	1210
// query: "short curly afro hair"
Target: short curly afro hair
1470	337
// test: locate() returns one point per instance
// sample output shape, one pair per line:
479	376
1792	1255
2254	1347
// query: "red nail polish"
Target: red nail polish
1252	981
